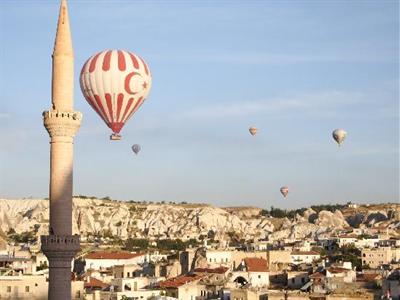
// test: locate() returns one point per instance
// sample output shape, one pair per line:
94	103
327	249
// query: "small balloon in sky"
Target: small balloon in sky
339	135
284	191
136	148
115	83
253	130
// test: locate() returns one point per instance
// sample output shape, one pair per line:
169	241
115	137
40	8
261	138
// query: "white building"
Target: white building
218	257
30	287
347	239
296	280
257	246
307	257
257	271
366	243
102	260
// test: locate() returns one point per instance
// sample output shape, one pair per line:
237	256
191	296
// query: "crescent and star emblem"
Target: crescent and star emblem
128	81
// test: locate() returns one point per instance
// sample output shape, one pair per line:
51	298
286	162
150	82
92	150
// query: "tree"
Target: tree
348	253
11	231
24	237
133	244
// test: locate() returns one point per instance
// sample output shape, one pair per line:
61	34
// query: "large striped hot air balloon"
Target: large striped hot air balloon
115	83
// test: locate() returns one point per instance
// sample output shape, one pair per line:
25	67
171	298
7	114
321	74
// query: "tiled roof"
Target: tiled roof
304	253
112	255
95	283
219	270
179	281
336	270
255	264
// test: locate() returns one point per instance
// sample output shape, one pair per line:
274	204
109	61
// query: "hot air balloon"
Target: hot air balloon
136	148
284	191
115	83
339	135
253	130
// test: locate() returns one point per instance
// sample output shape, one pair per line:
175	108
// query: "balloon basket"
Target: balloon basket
115	137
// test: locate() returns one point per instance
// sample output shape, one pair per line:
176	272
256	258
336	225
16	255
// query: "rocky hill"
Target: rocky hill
125	219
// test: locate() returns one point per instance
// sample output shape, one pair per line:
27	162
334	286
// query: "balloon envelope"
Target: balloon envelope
136	148
284	191
339	136
253	130
115	83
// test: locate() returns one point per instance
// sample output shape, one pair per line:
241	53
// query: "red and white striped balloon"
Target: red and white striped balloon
115	83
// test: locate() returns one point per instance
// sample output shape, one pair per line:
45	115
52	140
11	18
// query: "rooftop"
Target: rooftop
305	253
337	270
95	283
367	277
255	264
112	255
348	236
219	270
180	280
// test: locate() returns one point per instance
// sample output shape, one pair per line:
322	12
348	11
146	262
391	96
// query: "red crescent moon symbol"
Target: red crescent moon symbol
128	81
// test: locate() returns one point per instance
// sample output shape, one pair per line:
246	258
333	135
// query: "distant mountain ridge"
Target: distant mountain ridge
126	219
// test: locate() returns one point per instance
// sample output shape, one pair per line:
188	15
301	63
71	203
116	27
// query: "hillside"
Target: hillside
95	217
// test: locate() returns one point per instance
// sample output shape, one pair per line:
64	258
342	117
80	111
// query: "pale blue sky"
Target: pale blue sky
295	69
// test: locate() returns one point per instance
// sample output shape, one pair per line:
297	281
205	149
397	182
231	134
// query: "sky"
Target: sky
296	70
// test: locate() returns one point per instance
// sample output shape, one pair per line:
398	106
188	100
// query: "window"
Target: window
259	276
9	289
78	294
27	289
128	274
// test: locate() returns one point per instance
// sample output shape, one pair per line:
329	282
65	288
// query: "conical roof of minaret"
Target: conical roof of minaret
63	43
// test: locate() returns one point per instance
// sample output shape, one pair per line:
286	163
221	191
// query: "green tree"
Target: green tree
134	244
348	253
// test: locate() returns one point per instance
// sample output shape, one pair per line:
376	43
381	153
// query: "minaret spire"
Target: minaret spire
63	63
63	42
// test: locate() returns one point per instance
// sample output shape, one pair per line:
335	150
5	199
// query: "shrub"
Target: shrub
132	244
24	237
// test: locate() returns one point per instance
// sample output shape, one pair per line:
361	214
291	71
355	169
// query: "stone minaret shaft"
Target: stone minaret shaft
61	122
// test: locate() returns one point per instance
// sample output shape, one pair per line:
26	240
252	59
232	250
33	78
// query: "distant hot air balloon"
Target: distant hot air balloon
253	130
284	191
136	148
115	83
339	135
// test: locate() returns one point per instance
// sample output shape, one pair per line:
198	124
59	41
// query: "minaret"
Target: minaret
61	122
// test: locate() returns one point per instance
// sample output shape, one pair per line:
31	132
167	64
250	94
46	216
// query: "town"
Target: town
260	162
353	260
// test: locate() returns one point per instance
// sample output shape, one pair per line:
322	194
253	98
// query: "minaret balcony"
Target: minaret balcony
60	246
62	123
